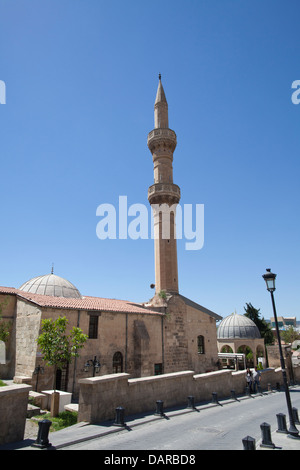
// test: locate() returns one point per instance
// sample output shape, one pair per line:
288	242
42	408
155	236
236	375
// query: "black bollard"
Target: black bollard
249	443
42	437
295	415
214	397
191	402
266	436
281	420
119	421
278	386
159	408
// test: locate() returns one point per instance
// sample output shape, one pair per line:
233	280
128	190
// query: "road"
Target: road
218	428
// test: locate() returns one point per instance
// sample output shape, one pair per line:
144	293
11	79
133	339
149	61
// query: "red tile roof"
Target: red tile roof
85	303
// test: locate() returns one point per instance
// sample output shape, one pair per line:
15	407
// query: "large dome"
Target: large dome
50	284
237	327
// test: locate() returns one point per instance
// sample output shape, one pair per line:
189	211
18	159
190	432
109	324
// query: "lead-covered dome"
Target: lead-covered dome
50	284
237	326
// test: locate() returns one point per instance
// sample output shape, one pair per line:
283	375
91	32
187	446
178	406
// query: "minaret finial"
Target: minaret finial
159	76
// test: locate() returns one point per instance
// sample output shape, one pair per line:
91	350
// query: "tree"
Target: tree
57	347
289	335
262	325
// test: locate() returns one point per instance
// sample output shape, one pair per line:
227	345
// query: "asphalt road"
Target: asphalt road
218	428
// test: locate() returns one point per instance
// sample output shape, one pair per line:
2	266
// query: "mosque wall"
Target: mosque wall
146	344
202	341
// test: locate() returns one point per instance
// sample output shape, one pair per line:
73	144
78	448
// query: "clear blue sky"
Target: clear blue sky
81	78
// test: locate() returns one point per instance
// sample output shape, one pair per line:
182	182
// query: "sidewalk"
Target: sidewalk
81	432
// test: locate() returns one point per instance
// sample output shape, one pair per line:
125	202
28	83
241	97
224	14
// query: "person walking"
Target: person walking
256	379
249	379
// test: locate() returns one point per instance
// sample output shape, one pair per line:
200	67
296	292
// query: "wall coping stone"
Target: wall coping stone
154	378
10	389
103	378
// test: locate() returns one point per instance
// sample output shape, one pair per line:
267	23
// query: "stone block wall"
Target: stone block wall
13	412
100	396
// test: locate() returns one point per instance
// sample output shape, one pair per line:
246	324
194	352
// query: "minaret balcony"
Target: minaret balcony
162	137
160	193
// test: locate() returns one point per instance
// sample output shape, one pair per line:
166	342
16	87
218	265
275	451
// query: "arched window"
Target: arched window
200	344
117	363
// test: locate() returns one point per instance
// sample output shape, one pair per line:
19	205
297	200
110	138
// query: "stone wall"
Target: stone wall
27	330
13	412
100	396
7	313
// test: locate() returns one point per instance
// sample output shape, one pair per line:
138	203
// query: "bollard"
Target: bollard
191	402
119	421
281	420
249	443
266	436
214	397
233	396
42	437
295	415
278	386
159	408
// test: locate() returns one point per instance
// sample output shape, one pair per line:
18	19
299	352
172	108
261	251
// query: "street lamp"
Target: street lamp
92	362
37	370
270	277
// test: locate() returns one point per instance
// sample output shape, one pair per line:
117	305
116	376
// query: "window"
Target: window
118	363
158	369
200	343
93	327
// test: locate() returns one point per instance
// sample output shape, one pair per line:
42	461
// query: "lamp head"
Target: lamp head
269	278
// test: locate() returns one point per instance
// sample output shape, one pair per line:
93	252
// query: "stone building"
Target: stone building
239	334
169	333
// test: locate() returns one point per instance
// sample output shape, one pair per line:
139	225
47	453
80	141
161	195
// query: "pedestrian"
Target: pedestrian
256	379
249	379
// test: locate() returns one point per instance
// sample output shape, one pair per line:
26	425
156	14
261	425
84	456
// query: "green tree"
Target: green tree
264	328
57	347
289	335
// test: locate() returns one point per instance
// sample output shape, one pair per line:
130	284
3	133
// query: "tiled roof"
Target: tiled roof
85	303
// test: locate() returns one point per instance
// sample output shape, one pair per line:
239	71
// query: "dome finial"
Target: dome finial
52	268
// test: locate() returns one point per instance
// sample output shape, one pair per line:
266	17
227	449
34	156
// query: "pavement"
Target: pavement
81	432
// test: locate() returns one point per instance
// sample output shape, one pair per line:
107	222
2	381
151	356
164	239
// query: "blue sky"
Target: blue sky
81	79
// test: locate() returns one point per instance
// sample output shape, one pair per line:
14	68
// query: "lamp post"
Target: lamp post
37	370
269	277
92	362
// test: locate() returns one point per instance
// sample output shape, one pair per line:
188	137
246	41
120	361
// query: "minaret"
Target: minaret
163	196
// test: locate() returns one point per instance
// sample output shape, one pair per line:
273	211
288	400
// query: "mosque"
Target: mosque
170	333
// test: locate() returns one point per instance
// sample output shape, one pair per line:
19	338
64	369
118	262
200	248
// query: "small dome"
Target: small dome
237	326
50	284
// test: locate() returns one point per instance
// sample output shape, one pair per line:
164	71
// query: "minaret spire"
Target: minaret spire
161	119
163	196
